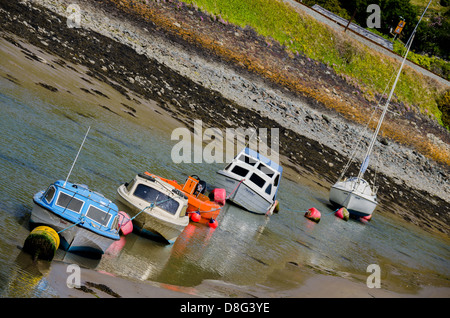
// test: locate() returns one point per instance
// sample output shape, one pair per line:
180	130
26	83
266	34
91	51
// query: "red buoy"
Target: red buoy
313	214
366	218
219	195
125	223
212	223
195	217
343	213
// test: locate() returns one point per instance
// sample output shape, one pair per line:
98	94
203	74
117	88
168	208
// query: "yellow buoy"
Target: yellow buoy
277	207
42	243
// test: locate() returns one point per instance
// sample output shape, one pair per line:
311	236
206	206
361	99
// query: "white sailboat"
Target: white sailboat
355	193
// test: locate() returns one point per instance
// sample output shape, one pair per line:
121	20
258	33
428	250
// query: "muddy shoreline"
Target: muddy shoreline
123	68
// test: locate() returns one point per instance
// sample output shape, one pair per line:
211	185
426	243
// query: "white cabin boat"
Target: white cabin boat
251	181
155	206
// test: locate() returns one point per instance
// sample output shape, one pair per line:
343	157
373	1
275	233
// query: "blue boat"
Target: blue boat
86	221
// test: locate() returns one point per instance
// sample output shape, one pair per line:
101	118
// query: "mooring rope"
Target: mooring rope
199	211
152	205
299	211
235	189
80	221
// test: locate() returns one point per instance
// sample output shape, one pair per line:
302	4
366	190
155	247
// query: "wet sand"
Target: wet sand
103	285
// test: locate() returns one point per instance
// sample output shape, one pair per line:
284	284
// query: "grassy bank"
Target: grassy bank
301	34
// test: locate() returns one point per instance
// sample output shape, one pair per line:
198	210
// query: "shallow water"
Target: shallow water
40	139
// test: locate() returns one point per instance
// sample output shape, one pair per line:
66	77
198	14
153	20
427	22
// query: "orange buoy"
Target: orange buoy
313	214
212	223
195	217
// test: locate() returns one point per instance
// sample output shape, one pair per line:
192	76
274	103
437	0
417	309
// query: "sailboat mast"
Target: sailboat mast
374	137
380	121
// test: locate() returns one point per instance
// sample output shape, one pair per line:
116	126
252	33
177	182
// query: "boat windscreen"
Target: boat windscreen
248	160
152	195
240	171
69	202
50	194
98	215
257	180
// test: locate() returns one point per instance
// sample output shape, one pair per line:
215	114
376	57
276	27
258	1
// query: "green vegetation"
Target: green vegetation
433	36
444	106
367	70
432	63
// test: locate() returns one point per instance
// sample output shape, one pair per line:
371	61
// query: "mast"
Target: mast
73	164
365	162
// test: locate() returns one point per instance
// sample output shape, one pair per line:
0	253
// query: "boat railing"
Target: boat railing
375	190
88	197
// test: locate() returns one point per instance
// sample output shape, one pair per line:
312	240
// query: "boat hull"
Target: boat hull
357	204
150	222
74	239
205	216
242	195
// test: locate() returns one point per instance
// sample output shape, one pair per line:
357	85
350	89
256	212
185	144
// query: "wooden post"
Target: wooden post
353	16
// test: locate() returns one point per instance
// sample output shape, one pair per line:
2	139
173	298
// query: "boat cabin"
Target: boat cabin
76	203
260	173
149	190
360	185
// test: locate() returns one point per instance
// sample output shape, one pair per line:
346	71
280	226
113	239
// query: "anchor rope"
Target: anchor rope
80	221
299	211
228	196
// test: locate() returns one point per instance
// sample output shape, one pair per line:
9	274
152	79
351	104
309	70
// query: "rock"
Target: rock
326	118
384	141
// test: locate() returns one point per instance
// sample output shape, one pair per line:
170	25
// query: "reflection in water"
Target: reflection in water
27	279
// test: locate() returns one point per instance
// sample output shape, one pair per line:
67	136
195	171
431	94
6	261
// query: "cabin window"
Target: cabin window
69	202
266	170
115	222
98	215
257	180
248	160
269	189
277	179
240	171
152	195
183	211
50	194
130	185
